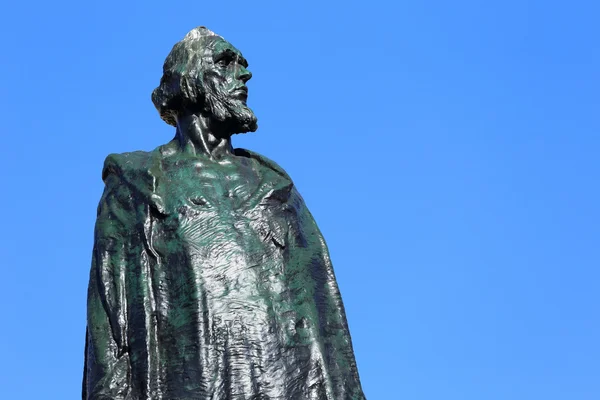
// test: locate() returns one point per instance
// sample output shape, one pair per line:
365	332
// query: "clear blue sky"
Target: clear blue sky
449	151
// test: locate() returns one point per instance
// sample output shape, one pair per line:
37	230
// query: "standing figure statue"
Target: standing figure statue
210	279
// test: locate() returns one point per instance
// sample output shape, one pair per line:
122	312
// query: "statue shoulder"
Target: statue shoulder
267	162
134	175
123	165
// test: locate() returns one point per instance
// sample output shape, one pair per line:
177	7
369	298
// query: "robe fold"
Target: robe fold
210	284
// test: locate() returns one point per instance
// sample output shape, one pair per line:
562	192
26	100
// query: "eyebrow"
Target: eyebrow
231	53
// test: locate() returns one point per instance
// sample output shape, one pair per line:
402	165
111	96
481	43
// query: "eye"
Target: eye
224	62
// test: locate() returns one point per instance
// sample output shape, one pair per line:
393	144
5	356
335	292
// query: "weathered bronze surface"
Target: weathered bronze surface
210	279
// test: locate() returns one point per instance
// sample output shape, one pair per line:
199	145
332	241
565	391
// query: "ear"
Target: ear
188	91
192	90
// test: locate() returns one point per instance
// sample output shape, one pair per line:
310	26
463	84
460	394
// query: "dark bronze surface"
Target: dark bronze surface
210	279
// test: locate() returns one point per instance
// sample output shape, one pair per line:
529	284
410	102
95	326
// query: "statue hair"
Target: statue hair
177	89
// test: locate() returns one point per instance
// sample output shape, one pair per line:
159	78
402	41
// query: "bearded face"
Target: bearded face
205	74
224	76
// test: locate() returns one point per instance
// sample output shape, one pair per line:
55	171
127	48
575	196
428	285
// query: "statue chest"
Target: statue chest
231	217
239	202
217	186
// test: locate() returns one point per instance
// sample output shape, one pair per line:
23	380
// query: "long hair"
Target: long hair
178	89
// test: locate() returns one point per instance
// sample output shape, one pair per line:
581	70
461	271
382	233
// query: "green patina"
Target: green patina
210	278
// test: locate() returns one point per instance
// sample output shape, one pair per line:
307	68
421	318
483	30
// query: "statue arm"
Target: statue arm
107	367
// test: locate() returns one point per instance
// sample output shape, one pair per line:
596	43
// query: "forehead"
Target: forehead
215	45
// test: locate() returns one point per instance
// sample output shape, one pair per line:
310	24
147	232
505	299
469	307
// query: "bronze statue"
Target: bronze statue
210	279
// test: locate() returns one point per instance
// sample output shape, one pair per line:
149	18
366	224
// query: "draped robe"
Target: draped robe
211	281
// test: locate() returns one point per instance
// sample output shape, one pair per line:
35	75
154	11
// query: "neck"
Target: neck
195	135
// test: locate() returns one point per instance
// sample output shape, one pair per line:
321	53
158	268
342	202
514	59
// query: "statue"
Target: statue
210	279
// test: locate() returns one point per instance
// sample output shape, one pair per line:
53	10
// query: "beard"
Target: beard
231	114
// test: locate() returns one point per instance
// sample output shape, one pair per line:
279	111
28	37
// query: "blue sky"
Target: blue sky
448	150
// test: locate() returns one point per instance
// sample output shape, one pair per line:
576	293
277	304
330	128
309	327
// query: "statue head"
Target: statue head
205	74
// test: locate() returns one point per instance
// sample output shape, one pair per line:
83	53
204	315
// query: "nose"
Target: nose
243	74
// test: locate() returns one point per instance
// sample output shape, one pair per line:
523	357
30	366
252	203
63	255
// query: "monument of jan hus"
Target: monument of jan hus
210	279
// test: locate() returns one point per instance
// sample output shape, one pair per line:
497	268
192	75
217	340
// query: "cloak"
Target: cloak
211	284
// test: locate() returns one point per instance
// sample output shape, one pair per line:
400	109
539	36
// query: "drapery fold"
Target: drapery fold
212	292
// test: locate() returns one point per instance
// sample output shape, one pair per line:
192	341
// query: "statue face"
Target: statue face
224	77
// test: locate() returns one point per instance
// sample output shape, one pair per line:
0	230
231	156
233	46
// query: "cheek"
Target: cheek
216	81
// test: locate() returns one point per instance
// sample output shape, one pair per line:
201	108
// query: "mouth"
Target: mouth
241	92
